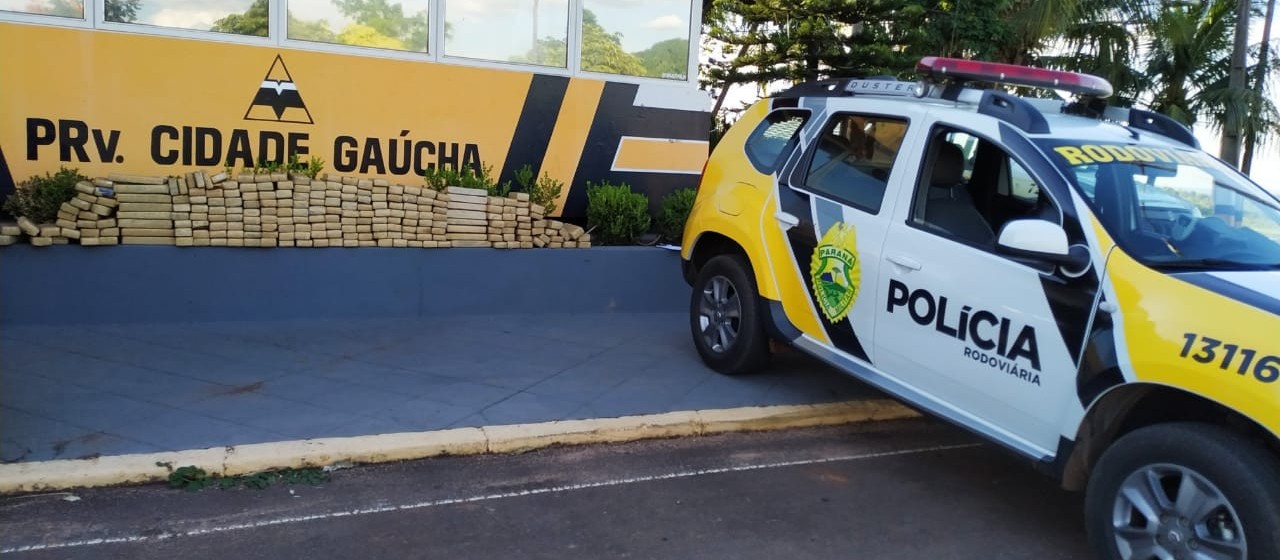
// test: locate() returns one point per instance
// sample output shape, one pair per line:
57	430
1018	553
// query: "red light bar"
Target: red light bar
1074	82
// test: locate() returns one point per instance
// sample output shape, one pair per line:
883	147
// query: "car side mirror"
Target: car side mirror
1042	240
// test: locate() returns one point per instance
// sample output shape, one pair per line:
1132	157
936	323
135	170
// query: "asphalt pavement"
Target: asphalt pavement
885	490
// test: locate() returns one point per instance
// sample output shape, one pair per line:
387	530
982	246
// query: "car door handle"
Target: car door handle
787	220
904	262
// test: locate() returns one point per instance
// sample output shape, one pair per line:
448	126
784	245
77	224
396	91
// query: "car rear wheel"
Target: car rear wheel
726	323
1184	491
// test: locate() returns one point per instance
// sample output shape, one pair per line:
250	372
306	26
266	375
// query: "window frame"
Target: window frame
84	22
800	175
566	70
280	26
99	22
694	34
277	36
935	132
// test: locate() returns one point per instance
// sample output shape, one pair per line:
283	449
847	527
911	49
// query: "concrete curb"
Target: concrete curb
241	459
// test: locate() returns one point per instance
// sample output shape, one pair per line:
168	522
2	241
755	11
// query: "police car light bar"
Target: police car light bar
1012	74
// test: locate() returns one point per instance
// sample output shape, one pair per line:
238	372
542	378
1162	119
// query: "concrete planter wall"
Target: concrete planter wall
75	285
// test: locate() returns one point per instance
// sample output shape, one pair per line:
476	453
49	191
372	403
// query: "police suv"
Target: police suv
1080	284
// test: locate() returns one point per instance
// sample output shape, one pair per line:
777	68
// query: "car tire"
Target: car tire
725	318
1148	469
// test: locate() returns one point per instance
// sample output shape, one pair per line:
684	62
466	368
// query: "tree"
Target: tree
797	40
549	52
367	36
1188	47
121	11
254	21
1260	82
388	20
64	8
666	58
602	51
313	30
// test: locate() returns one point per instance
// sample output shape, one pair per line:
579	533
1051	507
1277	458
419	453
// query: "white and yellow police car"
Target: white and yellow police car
1080	284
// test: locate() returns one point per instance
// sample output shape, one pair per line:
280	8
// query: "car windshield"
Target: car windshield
1174	209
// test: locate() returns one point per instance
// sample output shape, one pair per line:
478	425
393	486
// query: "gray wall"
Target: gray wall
129	284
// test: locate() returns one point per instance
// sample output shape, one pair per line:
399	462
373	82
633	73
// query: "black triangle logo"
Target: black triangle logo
278	98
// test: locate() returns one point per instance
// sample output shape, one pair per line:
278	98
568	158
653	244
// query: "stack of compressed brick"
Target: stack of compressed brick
274	204
257	211
556	234
502	222
364	211
145	213
348	210
47	234
467	220
524	220
96	224
420	215
198	197
386	226
180	191
9	233
325	212
439	217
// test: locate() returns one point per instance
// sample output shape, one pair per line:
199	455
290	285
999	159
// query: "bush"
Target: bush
674	212
543	191
442	177
38	198
617	215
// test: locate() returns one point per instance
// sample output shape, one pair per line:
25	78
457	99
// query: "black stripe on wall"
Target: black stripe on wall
617	116
537	121
7	185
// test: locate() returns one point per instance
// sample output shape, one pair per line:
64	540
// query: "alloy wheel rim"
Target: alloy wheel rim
719	314
1170	512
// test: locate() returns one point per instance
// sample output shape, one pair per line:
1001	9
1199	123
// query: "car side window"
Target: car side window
970	187
772	137
853	157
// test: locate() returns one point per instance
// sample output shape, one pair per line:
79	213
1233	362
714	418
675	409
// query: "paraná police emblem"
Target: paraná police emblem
836	271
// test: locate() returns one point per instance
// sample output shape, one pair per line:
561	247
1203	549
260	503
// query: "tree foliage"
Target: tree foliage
1172	57
254	21
121	11
602	51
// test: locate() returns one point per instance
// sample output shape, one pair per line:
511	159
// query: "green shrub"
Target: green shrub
38	198
543	192
442	177
311	168
617	215
674	212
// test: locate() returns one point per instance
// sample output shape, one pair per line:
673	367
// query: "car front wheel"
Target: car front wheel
1184	491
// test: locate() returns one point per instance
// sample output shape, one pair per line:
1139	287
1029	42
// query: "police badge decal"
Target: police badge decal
836	271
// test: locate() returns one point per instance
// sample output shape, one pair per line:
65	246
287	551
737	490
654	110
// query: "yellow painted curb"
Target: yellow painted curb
240	459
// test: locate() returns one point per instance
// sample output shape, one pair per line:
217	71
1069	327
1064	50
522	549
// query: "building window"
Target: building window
524	31
648	39
362	23
60	8
239	17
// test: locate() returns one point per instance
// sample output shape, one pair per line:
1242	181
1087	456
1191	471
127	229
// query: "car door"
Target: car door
993	339
834	196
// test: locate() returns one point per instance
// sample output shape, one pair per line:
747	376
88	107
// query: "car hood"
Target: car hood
1259	288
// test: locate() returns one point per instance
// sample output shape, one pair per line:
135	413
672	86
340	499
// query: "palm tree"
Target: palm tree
1188	49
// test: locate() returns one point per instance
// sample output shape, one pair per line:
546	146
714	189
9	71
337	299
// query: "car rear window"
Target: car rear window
773	137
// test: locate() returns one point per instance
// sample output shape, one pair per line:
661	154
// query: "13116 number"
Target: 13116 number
1265	368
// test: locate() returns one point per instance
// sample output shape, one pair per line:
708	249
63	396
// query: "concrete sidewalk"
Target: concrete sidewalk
81	392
